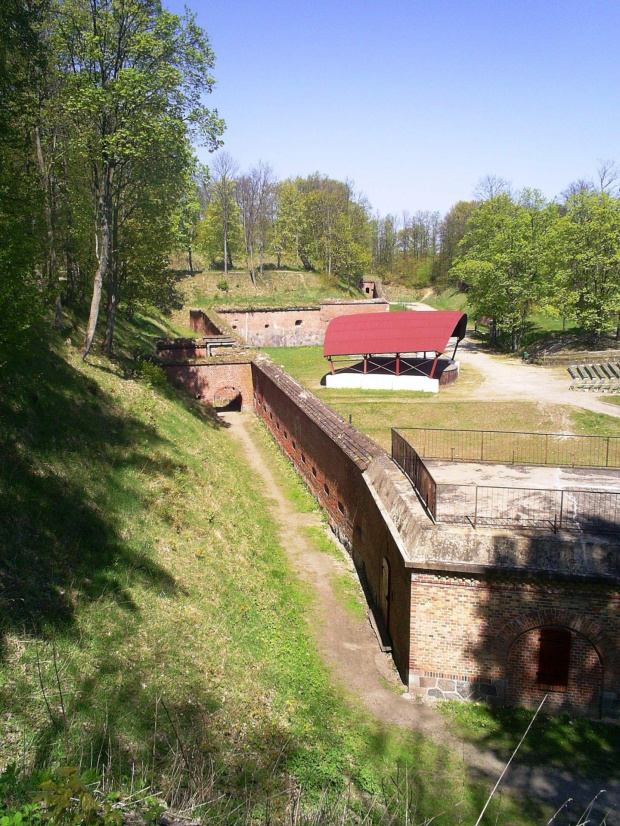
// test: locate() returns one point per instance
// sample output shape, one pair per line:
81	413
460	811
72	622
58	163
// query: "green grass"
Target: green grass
376	412
584	745
150	627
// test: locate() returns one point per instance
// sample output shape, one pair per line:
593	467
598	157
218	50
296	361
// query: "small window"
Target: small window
271	416
554	658
285	435
326	489
265	407
234	326
266	326
278	425
303	459
341	508
314	472
298	323
294	444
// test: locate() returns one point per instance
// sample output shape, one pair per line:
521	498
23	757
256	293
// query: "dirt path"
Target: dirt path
350	648
506	378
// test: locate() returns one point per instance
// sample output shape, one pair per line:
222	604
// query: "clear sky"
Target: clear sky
415	101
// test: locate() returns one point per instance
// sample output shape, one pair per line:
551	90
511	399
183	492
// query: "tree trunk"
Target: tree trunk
50	266
105	209
225	248
261	259
189	261
252	268
113	284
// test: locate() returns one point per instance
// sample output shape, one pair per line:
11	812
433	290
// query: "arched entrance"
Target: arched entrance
557	661
227	398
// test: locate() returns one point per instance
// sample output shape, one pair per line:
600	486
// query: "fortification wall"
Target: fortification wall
205	324
479	637
273	327
204	380
331	456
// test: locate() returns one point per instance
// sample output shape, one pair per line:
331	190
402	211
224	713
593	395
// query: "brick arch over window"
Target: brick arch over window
584	626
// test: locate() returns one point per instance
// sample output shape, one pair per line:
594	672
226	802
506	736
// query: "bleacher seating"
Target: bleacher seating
603	377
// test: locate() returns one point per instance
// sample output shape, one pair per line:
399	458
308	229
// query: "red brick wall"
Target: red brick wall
480	637
200	323
293	327
204	380
585	675
331	457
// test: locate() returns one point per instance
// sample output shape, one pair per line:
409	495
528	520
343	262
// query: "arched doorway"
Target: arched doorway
557	661
227	398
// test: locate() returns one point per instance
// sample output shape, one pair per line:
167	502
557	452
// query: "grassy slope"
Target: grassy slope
149	625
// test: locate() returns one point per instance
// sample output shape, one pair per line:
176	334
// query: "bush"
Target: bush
222	285
150	373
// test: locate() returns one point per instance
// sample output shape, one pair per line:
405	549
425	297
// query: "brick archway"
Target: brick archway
584	626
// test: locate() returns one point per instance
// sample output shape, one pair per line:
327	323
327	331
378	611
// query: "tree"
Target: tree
222	192
22	61
502	259
189	211
255	199
134	75
451	231
289	219
584	260
489	186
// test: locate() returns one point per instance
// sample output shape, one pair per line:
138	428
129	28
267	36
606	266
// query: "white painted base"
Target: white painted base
374	381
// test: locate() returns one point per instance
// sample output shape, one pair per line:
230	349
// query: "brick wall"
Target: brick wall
331	456
203	324
295	326
204	380
585	675
478	636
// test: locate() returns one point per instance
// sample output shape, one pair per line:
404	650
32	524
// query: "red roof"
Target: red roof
401	332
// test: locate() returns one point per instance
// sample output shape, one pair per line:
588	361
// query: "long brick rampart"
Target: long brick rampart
332	457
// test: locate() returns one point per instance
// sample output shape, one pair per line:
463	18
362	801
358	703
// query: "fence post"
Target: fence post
476	508
561	507
482	446
546	447
607	454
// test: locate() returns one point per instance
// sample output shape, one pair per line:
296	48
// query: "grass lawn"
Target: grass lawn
376	412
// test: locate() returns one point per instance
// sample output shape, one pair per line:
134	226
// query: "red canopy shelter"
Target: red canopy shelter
394	333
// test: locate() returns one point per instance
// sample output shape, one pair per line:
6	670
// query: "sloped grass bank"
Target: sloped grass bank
150	630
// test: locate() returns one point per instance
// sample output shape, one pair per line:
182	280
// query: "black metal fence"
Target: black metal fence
593	511
506	447
406	458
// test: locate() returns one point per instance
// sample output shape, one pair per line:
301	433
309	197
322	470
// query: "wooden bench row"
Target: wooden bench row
603	377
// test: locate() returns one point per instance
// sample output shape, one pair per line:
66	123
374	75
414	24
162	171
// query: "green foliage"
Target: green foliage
150	373
583	260
501	262
222	285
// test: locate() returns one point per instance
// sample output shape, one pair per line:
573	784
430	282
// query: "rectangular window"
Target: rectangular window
554	658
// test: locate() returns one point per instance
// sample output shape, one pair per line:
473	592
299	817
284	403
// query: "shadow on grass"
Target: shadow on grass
63	453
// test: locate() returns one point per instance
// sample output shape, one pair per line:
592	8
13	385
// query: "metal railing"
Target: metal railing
408	460
590	511
507	447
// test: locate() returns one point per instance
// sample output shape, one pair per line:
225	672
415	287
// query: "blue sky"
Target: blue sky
415	101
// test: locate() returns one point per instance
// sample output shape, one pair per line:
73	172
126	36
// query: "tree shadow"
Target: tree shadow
529	587
61	445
